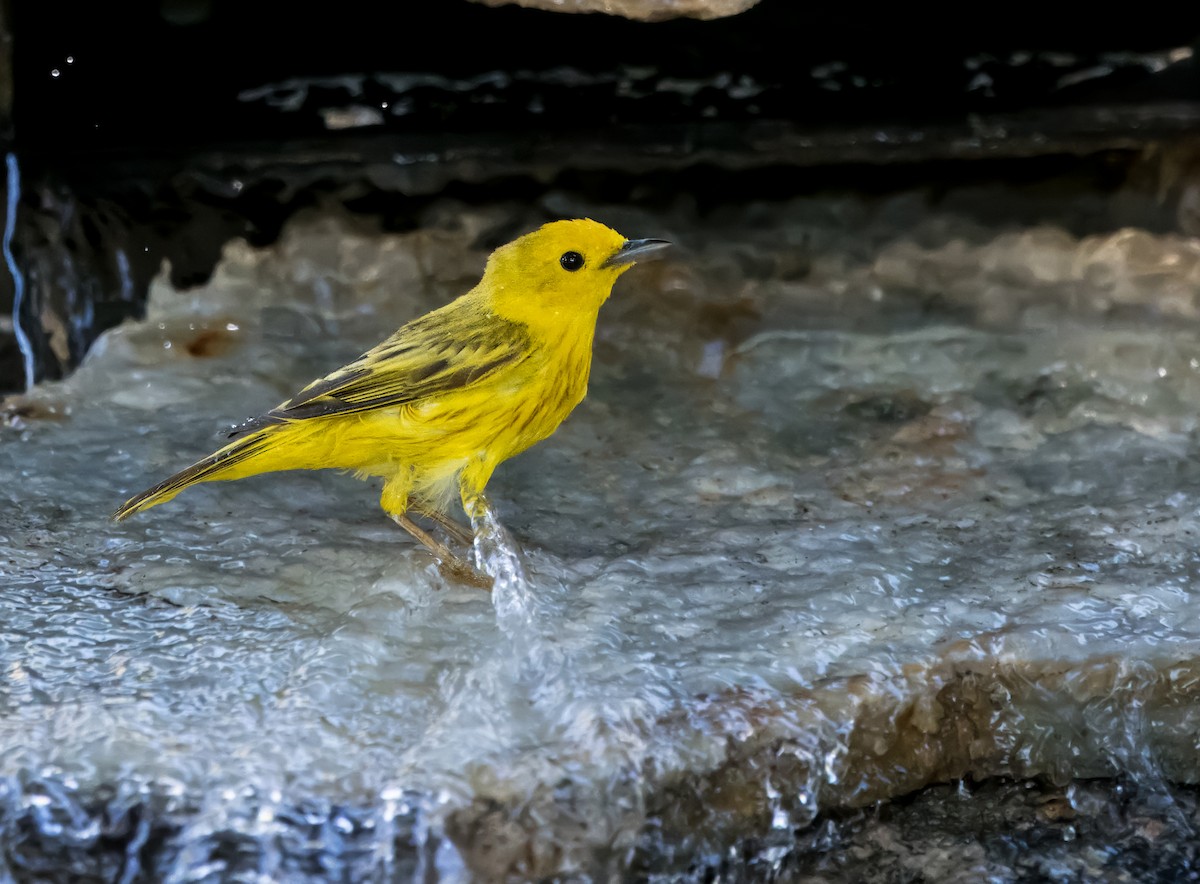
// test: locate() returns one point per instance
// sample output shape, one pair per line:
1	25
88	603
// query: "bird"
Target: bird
436	407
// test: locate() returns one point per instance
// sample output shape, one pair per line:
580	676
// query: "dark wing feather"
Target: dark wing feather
428	357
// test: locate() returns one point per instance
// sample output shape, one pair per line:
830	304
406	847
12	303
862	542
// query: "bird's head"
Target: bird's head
562	270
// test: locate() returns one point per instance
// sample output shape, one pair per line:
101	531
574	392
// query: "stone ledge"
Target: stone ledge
639	10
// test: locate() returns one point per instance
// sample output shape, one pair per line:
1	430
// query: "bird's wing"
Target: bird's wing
428	357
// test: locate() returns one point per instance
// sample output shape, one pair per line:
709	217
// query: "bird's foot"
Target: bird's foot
456	531
450	565
462	572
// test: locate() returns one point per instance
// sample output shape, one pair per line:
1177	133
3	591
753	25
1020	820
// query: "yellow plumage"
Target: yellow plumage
435	408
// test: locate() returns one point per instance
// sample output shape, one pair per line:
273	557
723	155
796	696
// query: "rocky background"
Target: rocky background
159	131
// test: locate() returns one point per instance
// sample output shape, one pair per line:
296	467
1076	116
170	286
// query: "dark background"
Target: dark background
157	75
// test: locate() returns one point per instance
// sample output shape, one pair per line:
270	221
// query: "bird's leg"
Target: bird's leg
448	563
471	482
451	527
477	509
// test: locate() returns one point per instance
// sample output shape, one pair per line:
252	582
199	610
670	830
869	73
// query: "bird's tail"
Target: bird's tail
234	461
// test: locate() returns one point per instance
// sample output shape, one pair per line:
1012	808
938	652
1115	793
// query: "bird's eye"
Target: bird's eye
571	261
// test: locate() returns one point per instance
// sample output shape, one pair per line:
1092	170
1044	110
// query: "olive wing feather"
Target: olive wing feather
428	357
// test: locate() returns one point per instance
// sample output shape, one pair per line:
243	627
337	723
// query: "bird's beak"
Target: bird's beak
634	250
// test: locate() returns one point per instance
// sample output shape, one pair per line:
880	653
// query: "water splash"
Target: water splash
497	555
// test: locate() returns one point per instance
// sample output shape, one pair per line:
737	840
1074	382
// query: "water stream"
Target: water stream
865	496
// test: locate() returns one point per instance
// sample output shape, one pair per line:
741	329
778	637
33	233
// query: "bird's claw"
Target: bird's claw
461	572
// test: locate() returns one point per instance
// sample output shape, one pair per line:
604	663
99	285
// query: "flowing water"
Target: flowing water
865	496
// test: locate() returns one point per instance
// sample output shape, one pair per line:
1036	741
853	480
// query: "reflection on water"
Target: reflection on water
863	497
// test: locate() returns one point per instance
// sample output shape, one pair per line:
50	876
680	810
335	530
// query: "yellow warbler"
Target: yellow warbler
436	407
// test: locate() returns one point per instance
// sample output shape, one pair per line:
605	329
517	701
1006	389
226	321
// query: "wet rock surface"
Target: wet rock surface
866	496
999	830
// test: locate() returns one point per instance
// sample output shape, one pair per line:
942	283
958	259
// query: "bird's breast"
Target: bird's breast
503	416
532	407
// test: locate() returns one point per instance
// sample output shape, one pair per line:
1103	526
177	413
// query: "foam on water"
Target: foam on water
861	499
